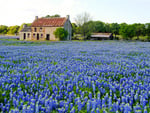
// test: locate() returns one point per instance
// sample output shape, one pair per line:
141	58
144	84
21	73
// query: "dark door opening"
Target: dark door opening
24	36
47	37
37	36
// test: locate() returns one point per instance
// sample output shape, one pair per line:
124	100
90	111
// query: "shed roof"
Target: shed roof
103	35
49	22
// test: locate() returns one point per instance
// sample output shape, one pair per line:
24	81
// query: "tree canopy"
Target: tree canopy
13	29
3	29
56	15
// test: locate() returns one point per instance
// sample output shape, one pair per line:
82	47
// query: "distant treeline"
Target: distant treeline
11	30
123	30
85	26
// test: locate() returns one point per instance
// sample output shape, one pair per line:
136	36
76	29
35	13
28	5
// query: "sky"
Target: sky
16	12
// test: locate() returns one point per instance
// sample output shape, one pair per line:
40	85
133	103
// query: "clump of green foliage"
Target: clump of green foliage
61	33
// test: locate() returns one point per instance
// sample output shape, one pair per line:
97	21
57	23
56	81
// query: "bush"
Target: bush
61	33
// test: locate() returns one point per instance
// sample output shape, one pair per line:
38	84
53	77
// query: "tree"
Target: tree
123	30
61	33
13	29
82	18
88	28
74	28
139	30
147	25
115	28
3	29
81	21
99	26
107	28
127	31
130	31
56	15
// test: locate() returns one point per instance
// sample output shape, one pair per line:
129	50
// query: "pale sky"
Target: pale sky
16	12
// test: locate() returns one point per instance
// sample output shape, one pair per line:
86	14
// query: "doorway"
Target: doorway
47	37
37	36
24	36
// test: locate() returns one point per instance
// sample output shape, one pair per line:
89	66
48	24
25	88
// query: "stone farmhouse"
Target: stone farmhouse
43	28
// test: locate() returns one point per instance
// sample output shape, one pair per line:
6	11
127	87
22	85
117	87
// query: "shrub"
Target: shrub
61	33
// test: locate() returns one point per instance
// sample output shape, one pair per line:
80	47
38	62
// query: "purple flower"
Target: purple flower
72	110
88	107
90	95
97	110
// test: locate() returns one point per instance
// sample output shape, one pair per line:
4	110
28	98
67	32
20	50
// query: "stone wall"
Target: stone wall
68	27
27	35
50	30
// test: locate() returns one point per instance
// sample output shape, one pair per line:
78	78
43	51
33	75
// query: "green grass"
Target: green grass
142	38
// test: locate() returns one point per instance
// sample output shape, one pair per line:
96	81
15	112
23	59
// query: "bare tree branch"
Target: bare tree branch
82	18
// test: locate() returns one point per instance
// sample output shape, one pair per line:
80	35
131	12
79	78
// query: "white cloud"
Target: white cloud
14	12
19	11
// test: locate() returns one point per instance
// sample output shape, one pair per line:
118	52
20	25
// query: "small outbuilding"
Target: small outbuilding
101	36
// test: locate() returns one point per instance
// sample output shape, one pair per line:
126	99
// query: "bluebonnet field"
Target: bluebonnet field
75	77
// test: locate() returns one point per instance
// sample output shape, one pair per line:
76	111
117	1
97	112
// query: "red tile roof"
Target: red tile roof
49	22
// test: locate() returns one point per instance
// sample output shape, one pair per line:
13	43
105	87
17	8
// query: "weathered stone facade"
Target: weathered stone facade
45	30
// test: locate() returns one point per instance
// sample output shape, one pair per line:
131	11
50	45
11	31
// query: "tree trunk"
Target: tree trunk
84	35
137	37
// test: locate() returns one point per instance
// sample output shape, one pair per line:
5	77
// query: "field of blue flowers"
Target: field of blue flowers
75	77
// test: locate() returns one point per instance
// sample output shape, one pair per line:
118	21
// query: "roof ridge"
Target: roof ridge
51	17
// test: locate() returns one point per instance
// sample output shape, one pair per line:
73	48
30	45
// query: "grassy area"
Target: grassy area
142	38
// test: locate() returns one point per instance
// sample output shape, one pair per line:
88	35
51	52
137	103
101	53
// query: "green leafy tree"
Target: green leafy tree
56	15
115	28
13	29
107	28
78	30
74	29
3	29
139	30
89	27
123	30
127	31
130	31
99	26
61	33
147	26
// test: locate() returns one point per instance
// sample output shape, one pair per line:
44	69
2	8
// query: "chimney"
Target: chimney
68	17
36	17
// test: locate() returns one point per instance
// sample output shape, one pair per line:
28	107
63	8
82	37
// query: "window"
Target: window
34	29
41	35
24	36
33	35
40	29
28	35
